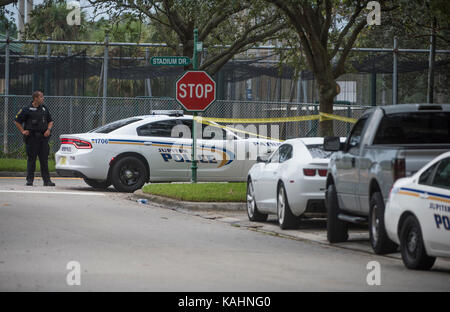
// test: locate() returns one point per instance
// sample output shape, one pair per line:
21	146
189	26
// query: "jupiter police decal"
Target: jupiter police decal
206	154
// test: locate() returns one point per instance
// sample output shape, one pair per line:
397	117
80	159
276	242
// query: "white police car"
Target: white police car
417	215
157	148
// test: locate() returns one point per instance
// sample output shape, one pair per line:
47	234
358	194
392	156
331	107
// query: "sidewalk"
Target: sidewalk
204	206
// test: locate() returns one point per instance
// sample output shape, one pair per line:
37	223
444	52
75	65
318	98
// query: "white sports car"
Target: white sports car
157	148
290	183
417	215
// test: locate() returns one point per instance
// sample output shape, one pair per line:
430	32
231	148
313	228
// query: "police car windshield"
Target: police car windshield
115	125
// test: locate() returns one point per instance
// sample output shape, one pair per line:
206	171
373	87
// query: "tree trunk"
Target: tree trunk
327	92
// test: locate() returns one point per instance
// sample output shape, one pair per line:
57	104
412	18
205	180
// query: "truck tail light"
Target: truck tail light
80	144
309	172
399	168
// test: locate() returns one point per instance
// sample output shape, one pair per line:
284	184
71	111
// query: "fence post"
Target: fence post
47	69
431	61
349	115
148	85
5	117
105	81
395	75
34	85
69	54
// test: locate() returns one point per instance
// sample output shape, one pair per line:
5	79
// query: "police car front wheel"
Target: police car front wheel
129	174
413	251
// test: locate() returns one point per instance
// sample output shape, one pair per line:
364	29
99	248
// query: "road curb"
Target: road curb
24	174
215	206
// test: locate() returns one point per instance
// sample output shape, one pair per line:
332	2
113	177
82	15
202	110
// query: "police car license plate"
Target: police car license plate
63	160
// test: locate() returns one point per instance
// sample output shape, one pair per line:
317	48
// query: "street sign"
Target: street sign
195	90
170	61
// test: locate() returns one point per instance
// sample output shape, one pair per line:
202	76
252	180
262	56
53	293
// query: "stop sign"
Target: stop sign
195	90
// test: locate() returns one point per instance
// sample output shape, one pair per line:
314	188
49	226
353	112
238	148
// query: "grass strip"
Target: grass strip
20	165
200	192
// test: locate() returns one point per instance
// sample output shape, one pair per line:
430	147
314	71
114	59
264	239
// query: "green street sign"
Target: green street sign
170	61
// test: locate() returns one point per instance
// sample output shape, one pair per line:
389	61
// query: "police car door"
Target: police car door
166	150
217	153
435	207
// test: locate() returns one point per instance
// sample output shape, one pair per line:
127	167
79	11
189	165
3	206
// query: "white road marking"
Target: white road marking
56	193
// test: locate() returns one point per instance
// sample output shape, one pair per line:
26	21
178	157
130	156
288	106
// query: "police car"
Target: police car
157	148
417	215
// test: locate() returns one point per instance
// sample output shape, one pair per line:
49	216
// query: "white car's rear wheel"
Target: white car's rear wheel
286	219
129	174
252	209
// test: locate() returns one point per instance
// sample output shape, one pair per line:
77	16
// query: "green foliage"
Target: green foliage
200	192
49	20
20	165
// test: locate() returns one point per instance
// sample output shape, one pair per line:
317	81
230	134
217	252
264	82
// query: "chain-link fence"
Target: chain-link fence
81	114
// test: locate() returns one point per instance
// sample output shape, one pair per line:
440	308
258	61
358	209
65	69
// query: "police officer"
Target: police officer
37	124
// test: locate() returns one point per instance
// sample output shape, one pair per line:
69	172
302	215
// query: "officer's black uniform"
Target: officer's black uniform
35	120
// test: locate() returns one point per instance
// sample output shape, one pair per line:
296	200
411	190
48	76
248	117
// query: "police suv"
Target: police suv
417	215
157	148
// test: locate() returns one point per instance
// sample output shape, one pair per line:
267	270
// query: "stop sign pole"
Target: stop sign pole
194	162
195	91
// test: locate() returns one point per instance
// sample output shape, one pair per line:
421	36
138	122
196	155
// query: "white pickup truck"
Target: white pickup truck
385	144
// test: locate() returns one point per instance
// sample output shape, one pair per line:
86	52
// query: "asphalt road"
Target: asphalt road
121	245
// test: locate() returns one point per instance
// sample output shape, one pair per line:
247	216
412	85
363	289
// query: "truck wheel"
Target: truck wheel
337	230
379	239
412	247
252	210
286	219
97	184
129	174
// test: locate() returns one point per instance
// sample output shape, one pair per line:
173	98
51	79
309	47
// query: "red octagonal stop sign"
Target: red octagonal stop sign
195	90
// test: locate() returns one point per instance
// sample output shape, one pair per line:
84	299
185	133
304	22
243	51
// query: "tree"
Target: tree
413	22
238	24
433	22
50	20
326	30
6	2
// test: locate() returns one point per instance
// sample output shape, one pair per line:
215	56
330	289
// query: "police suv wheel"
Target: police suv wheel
129	174
412	247
381	244
252	210
286	219
97	184
337	230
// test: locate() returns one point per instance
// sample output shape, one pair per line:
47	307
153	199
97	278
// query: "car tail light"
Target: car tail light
309	172
77	143
323	172
399	168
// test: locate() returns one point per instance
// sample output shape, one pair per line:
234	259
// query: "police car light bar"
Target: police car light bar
175	113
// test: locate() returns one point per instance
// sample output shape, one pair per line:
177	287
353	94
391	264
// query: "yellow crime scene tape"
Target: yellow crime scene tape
321	117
